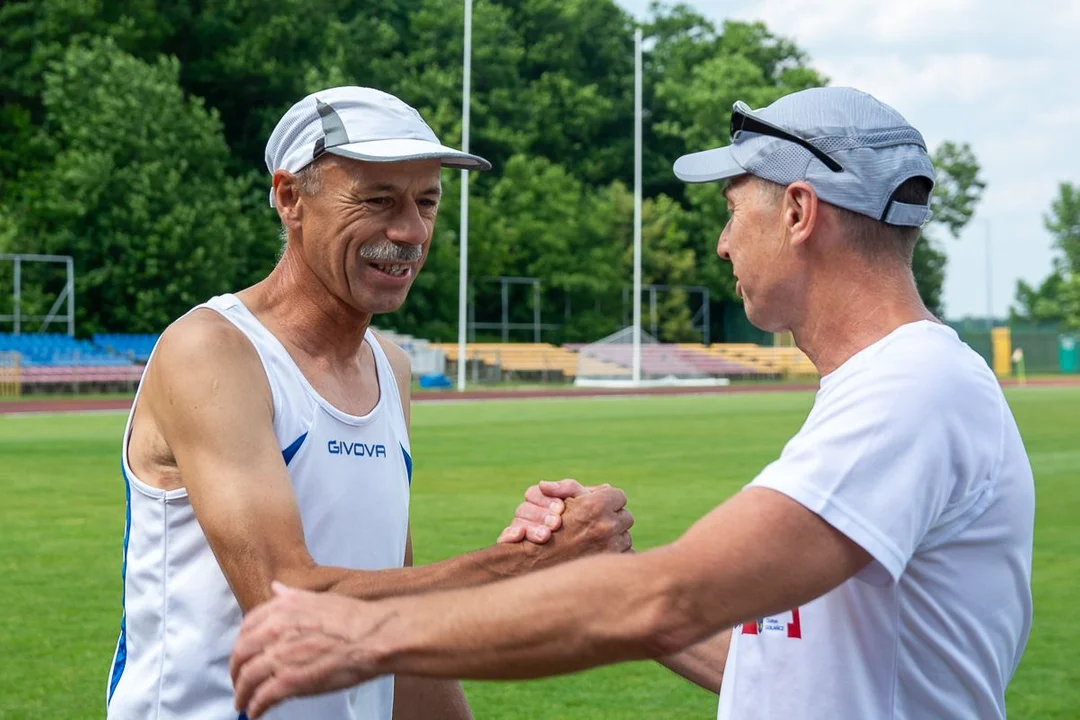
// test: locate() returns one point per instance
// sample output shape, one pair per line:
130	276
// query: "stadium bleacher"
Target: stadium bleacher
763	359
663	359
48	359
526	358
119	358
55	350
137	347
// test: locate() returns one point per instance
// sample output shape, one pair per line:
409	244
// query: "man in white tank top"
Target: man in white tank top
879	569
269	439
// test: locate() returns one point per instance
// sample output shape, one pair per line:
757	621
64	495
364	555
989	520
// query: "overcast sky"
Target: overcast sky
1000	75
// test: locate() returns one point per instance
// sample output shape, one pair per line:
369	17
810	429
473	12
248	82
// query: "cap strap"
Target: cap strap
898	213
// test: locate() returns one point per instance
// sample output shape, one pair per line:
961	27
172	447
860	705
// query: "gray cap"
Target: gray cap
360	123
853	149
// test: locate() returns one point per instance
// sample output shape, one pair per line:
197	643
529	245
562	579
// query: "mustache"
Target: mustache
391	252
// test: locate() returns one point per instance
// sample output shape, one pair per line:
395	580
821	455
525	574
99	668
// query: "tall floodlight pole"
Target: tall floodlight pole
637	207
463	254
989	281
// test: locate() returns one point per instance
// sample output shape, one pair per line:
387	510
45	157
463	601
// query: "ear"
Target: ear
287	199
800	211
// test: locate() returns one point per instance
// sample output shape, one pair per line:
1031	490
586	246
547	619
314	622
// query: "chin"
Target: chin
379	305
761	320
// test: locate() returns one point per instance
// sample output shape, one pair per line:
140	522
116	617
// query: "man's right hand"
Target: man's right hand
581	519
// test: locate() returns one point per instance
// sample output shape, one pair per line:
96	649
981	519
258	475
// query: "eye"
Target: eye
379	201
428	203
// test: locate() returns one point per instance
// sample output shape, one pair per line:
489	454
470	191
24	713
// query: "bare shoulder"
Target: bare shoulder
209	354
203	369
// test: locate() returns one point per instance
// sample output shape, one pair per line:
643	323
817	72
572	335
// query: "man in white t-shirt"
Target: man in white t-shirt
879	569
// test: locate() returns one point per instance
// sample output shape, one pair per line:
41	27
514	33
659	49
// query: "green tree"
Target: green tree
121	120
958	189
1040	305
1057	299
137	191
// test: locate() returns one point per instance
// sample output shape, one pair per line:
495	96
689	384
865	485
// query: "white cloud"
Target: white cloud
907	81
874	21
1063	118
1000	75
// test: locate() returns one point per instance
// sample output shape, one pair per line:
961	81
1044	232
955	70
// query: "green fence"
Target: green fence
979	340
1046	349
1040	346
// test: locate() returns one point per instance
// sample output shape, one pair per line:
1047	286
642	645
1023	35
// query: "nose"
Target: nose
723	243
408	226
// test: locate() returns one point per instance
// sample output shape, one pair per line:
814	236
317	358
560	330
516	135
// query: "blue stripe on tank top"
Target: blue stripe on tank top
287	453
408	462
120	659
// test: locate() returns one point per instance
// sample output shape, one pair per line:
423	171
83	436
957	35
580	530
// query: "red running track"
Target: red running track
75	404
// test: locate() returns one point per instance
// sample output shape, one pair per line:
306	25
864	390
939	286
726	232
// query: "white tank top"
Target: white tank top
351	477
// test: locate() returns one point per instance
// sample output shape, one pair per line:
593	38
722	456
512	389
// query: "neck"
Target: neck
294	303
849	312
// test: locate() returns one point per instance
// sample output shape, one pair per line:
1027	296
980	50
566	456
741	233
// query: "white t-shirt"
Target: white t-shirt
911	451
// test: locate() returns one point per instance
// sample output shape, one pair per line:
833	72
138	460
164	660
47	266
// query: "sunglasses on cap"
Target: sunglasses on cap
743	121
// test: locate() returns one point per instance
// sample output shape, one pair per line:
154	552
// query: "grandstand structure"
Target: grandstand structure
609	362
55	362
51	362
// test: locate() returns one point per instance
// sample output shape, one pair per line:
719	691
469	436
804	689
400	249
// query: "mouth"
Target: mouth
397	271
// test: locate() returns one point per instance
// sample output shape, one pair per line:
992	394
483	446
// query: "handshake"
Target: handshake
304	643
571	520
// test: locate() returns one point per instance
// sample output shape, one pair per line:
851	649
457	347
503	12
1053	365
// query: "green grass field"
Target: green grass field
62	518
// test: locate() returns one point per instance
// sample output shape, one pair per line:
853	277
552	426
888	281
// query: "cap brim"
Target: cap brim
401	150
708	166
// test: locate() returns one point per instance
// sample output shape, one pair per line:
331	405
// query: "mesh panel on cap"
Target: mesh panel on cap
784	165
303	117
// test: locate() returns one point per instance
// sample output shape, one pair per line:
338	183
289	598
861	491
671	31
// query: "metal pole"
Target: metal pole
71	297
652	313
463	254
989	282
706	339
18	292
536	311
505	310
637	207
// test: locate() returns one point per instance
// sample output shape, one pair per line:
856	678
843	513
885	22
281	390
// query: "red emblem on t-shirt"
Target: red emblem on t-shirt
792	627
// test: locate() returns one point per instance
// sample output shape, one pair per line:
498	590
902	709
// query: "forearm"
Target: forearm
592	612
476	568
702	664
423	698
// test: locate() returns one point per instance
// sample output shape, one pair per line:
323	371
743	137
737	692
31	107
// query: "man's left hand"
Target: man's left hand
298	643
541	513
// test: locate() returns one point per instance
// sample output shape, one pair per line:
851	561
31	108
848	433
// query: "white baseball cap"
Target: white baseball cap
359	123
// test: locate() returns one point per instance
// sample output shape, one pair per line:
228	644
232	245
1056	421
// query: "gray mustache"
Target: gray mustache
392	252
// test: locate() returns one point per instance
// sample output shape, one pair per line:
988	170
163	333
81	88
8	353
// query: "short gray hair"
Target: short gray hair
875	240
309	181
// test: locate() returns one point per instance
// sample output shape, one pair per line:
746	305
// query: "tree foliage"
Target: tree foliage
1057	299
133	135
958	189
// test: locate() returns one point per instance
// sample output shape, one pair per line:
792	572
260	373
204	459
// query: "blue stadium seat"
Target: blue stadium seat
136	346
52	349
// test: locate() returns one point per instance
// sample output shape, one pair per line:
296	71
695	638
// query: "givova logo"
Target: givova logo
338	447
